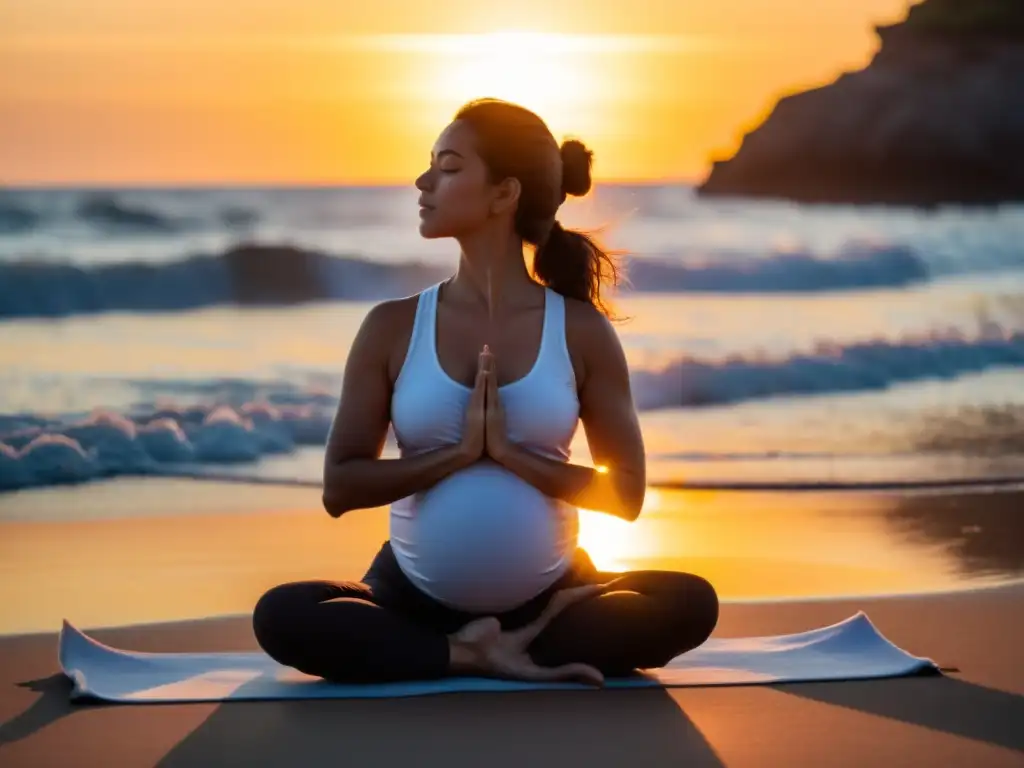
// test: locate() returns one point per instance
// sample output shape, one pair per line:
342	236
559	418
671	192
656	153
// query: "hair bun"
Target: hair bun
576	162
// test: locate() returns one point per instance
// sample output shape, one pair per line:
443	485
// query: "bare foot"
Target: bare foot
482	648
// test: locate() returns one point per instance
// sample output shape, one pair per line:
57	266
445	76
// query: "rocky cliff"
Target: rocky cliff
937	117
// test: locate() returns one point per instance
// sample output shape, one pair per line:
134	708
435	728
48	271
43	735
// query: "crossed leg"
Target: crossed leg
649	618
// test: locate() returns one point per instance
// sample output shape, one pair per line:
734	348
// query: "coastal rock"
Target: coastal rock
937	117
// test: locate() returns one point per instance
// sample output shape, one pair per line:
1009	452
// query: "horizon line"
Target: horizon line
200	184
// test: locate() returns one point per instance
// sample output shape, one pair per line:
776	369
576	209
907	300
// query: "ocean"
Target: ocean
769	343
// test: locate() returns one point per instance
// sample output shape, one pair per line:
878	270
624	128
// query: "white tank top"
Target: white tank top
483	540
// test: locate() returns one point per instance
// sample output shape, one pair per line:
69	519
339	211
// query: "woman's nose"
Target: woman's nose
423	181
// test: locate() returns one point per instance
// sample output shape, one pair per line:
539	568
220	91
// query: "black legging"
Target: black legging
384	628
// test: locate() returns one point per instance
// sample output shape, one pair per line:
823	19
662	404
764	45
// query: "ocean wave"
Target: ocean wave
160	441
107	212
236	422
17	219
279	275
856	267
110	214
828	368
246	275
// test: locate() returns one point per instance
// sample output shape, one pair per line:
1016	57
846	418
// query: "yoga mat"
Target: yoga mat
853	649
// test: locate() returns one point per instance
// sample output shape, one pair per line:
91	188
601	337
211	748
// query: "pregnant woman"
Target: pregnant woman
484	379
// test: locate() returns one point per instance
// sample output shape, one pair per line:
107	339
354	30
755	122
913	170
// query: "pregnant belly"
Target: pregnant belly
483	540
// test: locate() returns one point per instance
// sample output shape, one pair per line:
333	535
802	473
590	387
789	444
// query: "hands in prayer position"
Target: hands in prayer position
484	433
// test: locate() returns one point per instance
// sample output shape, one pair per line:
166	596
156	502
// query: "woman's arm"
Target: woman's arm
355	477
610	420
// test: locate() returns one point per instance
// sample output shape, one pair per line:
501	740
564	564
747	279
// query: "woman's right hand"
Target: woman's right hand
474	436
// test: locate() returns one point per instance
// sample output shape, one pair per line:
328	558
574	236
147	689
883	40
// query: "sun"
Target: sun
540	71
612	543
603	537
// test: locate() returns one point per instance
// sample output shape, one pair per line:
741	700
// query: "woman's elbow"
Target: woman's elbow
335	500
334	507
341	486
623	507
633	502
630	512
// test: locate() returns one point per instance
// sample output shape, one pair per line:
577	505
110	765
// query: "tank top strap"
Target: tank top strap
428	310
422	337
554	326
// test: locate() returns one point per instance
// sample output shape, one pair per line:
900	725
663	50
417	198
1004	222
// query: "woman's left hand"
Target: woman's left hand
496	435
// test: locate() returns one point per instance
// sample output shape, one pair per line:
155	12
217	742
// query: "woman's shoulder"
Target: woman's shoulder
391	315
586	326
388	328
590	338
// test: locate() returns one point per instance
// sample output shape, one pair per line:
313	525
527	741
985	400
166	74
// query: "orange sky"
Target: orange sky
334	91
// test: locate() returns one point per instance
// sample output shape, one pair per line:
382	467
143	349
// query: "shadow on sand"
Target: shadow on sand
635	727
624	727
944	704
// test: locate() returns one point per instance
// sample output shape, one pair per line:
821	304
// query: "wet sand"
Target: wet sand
133	551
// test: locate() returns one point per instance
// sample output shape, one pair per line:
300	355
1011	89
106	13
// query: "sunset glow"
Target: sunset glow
530	69
615	544
316	92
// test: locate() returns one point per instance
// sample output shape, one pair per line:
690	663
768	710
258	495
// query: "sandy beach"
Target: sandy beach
971	717
163	566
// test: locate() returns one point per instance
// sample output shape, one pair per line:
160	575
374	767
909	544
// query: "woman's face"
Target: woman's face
455	194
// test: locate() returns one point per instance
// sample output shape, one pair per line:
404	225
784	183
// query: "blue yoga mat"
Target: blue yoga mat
853	649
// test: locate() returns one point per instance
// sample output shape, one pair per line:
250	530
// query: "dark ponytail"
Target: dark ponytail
515	142
569	261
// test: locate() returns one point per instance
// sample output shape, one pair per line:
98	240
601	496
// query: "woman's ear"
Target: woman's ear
506	196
